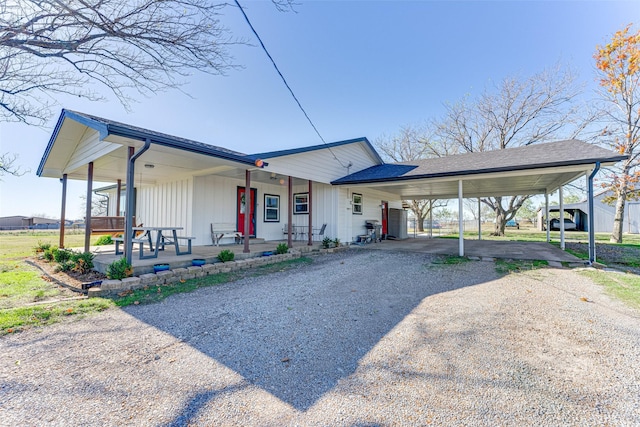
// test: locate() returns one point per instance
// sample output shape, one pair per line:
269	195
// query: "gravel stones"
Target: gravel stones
356	338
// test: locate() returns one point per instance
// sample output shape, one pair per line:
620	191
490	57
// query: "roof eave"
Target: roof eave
604	162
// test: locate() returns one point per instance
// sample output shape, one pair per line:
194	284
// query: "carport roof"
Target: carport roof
523	170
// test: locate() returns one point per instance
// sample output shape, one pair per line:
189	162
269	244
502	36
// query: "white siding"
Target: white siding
167	204
88	149
320	165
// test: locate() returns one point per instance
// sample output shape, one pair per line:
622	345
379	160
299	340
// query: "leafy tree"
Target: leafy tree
409	144
618	67
514	113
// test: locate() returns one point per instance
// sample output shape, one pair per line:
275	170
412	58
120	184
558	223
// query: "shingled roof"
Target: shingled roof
553	154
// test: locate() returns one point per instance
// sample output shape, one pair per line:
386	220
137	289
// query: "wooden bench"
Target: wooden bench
113	225
220	230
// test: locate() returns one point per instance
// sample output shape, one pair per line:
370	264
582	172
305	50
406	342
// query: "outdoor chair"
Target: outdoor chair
319	232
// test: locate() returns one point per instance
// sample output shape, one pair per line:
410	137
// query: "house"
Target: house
345	184
604	214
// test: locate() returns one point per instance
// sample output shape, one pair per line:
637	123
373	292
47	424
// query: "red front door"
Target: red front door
242	209
385	217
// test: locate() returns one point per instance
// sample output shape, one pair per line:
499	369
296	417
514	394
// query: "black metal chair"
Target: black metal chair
318	232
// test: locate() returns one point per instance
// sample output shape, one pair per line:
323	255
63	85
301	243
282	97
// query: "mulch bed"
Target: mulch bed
70	279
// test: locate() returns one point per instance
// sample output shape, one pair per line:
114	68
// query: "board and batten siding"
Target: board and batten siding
353	225
321	165
167	204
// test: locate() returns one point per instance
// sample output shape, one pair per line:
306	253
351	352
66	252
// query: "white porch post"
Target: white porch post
561	218
479	219
546	215
430	220
460	221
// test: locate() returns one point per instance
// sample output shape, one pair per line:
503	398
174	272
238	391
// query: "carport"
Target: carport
527	170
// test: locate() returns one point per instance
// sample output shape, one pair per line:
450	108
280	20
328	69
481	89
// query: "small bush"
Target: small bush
41	247
104	240
282	248
226	255
326	242
119	269
336	242
82	262
62	255
48	253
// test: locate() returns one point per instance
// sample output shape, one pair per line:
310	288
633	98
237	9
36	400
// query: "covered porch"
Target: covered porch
105	255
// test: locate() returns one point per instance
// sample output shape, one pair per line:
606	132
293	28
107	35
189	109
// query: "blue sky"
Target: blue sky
360	68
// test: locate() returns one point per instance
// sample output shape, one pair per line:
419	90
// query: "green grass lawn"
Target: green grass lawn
625	287
22	285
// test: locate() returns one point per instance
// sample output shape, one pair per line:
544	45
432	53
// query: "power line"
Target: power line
264	48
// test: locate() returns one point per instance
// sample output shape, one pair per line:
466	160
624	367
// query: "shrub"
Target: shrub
48	253
62	255
82	262
41	247
104	240
119	269
326	242
336	242
282	248
226	255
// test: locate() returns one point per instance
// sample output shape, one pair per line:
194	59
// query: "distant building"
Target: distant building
603	215
19	222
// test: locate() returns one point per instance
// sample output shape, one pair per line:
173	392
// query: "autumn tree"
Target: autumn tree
618	68
413	143
513	113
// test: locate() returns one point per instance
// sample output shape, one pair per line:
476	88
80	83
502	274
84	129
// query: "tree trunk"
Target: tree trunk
618	220
420	222
500	223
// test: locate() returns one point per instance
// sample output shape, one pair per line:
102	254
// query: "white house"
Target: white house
179	182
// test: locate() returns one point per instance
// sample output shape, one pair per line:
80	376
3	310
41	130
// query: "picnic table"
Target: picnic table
157	238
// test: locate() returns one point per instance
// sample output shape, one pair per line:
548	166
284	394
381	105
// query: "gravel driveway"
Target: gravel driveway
359	338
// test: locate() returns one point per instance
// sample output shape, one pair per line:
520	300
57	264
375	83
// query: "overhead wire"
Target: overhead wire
264	48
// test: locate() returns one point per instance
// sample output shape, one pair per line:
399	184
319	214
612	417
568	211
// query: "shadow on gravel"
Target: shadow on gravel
296	334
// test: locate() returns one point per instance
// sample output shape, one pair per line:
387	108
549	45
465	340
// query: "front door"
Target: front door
242	211
385	218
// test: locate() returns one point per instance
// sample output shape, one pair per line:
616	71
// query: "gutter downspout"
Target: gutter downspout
128	222
592	238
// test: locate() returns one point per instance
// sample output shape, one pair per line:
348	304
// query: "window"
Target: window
301	203
271	208
356	202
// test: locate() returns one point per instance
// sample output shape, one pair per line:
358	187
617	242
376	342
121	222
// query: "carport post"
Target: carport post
592	236
479	220
460	221
546	214
561	218
430	220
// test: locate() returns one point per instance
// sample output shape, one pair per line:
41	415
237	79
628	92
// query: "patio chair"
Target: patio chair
318	232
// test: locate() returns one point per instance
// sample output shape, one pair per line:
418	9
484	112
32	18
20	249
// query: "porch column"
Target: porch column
63	209
546	215
310	242
87	220
247	210
290	213
118	191
479	219
561	218
460	221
